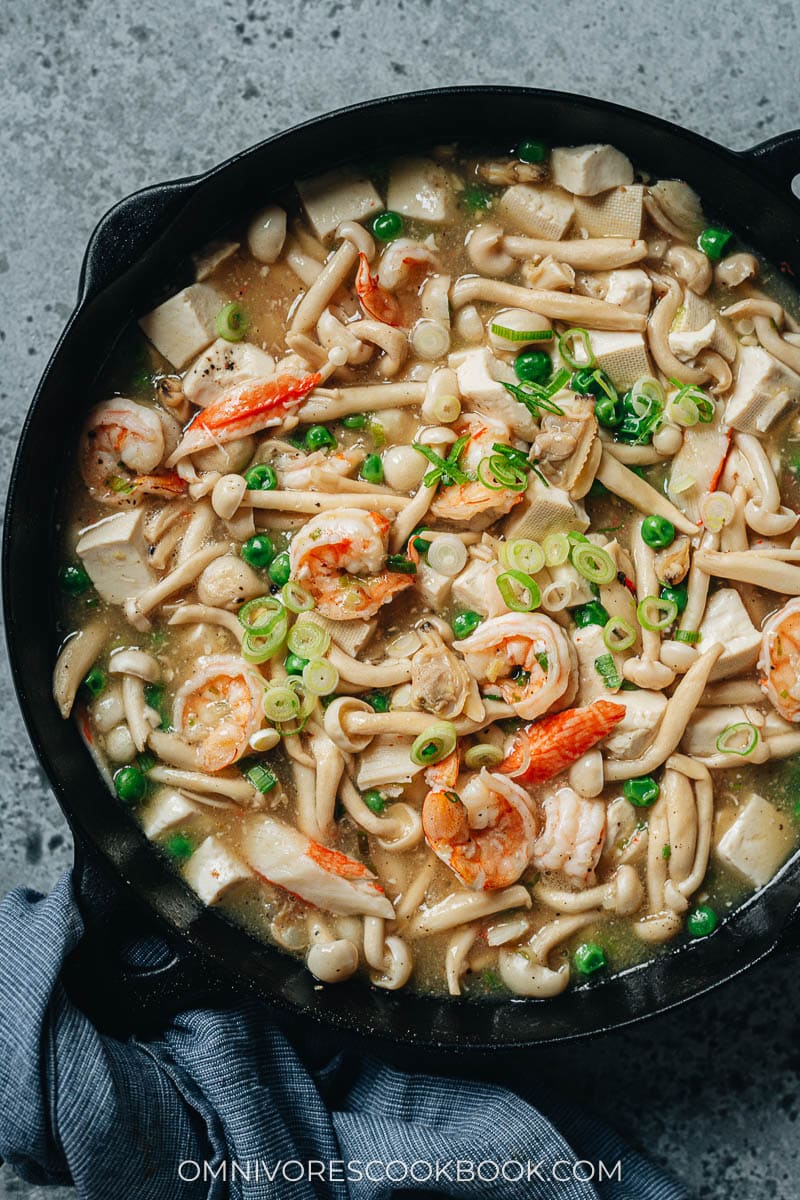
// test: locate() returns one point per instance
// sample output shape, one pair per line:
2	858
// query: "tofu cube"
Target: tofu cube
643	712
706	724
206	263
695	314
616	213
168	810
474	588
185	324
432	585
764	389
350	636
726	620
757	843
588	170
385	763
544	510
566	577
337	196
480	383
623	356
420	189
538	212
114	555
630	288
687	345
589	646
213	870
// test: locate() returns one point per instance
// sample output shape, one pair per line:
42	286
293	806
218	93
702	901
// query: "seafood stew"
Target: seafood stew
429	572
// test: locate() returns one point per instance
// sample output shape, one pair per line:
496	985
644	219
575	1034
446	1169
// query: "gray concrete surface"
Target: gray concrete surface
98	99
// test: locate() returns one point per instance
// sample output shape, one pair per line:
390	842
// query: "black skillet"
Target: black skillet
138	254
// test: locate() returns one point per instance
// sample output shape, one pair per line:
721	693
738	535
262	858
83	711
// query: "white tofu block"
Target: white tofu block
616	213
643	712
623	356
567	577
630	288
185	324
350	636
726	620
695	313
706	724
475	588
757	843
420	189
337	196
696	465
114	554
385	762
587	170
589	646
687	345
480	383
213	870
169	809
213	256
539	212
764	388
225	365
544	510
432	585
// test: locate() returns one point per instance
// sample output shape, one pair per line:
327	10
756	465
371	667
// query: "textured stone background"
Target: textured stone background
98	99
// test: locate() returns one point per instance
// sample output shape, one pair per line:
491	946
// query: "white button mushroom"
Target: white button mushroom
227	582
525	977
119	744
266	233
332	962
230	457
107	710
403	467
227	495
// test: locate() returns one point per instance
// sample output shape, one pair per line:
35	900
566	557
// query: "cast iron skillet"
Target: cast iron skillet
138	254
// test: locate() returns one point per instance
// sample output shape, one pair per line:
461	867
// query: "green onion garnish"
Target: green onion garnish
741	739
445	470
519	591
308	640
261	778
566	343
400	564
232	322
690	636
655	613
592	562
607	669
619	634
434	744
521	335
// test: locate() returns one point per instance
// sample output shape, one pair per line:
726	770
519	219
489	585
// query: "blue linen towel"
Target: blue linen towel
222	1104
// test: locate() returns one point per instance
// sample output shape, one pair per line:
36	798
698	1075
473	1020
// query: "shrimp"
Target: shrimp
318	470
547	748
484	832
122	445
573	836
252	406
340	557
326	878
403	261
466	501
779	661
219	708
525	657
375	300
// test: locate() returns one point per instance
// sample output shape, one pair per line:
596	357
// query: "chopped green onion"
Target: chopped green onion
294	664
447	555
566	343
434	744
592	613
446	409
258	614
519	591
261	778
654	613
320	677
400	564
154	698
281	703
593	563
690	636
740	738
95	681
483	755
378	701
377	433
258	647
607	669
497	472
619	634
521	335
534	400
307	639
74	580
296	598
556	548
445	470
522	554
232	322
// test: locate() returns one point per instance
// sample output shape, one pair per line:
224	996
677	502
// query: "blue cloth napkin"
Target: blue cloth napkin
223	1094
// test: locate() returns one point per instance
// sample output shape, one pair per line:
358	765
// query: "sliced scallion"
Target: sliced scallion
740	738
261	778
522	554
521	335
619	634
655	613
556	548
232	322
434	744
497	472
296	598
320	677
307	639
593	563
519	591
566	348
447	555
607	670
483	755
281	703
690	636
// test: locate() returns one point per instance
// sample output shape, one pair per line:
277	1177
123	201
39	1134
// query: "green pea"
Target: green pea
657	532
374	801
701	921
713	240
294	664
130	784
379	701
678	595
465	623
74	580
261	478
355	421
608	412
372	469
532	151
387	226
319	438
533	366
589	957
180	847
592	613
258	550
95	681
280	569
641	792
475	198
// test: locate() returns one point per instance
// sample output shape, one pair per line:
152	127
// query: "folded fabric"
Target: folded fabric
223	1104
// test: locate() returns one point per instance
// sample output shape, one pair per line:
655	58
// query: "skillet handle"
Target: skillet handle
127	231
124	973
779	156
